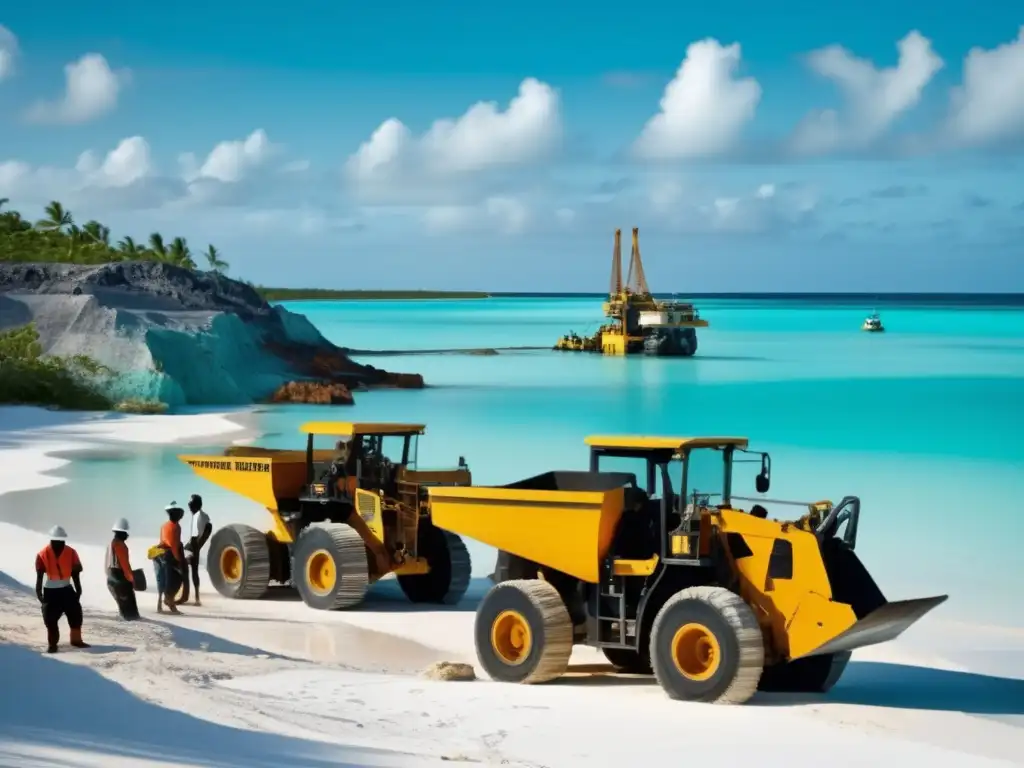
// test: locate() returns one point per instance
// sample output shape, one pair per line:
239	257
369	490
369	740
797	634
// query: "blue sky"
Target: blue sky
772	168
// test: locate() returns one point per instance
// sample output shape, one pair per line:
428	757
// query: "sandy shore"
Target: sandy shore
272	682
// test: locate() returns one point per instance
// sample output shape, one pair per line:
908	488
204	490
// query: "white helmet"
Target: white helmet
121	526
58	534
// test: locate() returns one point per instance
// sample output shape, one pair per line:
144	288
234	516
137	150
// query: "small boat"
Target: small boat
873	324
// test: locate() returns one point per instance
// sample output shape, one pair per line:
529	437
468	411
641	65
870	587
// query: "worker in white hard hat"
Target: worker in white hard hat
120	578
59	589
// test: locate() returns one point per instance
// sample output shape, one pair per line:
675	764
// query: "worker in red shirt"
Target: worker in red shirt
170	560
120	579
57	569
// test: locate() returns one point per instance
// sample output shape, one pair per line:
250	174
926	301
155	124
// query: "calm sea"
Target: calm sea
922	422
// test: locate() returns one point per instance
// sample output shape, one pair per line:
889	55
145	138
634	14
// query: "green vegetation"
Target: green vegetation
29	378
57	238
325	294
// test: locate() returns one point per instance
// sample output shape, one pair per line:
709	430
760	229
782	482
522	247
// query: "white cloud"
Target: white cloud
91	90
481	139
506	215
704	107
768	208
989	105
382	152
874	98
229	161
219	177
123	177
8	52
124	165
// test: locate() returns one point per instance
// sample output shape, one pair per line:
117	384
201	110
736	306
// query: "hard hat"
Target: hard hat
121	526
58	534
173	506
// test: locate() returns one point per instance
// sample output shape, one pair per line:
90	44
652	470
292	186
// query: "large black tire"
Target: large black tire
329	566
523	632
706	646
450	569
238	562
811	674
629	661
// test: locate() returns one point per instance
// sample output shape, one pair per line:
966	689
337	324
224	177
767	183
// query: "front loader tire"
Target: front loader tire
523	632
706	646
811	674
329	566
450	569
238	562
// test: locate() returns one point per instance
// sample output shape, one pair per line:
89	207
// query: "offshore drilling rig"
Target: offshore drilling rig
638	323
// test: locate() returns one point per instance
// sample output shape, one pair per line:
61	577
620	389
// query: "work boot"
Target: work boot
52	638
76	639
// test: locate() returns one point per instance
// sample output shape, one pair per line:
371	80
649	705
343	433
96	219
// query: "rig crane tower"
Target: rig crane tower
637	322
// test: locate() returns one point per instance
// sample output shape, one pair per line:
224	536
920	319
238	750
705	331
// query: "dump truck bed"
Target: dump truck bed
264	475
563	519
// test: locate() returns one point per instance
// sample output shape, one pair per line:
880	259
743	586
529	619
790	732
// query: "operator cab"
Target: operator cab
683	476
365	456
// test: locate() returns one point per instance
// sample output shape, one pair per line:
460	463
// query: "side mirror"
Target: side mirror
763	481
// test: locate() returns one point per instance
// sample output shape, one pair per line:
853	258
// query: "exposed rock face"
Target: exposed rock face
179	336
314	392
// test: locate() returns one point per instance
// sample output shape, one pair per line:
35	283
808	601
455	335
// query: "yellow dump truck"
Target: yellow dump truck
341	518
671	575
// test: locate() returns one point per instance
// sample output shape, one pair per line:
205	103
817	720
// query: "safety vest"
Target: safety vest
113	562
58	568
170	537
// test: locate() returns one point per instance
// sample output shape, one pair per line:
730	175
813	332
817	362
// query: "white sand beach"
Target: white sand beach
272	682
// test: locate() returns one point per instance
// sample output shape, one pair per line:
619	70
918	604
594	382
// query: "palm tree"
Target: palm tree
156	245
217	264
129	248
180	254
97	232
57	219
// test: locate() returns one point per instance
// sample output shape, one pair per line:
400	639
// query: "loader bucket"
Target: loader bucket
872	618
263	476
564	520
880	626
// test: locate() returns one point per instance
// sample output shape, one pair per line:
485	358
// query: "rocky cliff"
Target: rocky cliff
182	337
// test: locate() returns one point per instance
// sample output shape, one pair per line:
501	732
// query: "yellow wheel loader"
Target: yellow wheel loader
670	575
342	518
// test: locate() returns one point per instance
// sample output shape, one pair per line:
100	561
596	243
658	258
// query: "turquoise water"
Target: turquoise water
922	422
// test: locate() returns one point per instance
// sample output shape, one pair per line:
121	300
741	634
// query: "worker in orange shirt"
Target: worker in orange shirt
120	579
57	569
170	560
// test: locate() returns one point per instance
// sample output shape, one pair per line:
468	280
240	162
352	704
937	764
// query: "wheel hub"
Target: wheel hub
696	652
511	638
231	565
320	572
